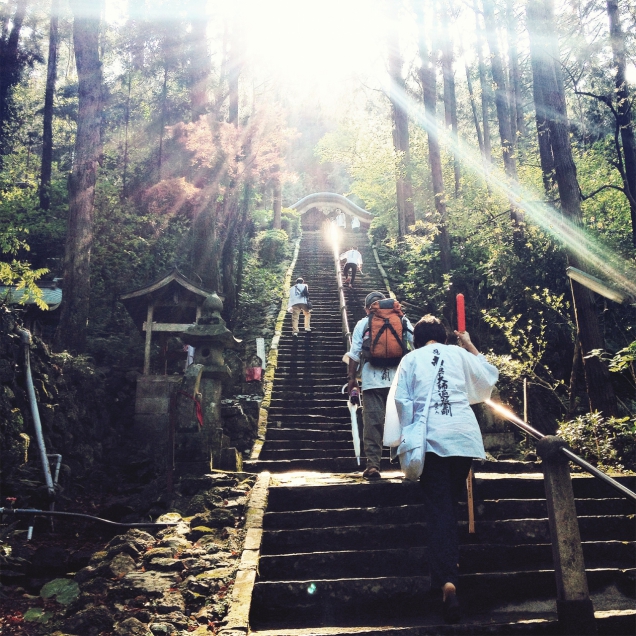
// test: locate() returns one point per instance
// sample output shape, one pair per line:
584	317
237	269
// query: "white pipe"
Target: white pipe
25	338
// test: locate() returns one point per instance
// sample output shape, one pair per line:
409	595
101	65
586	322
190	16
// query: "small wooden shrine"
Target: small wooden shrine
167	306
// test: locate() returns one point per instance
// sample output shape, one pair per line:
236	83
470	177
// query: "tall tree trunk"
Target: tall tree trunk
501	103
205	251
623	110
47	124
79	236
162	125
228	260
245	230
278	202
486	91
517	122
11	66
404	187
426	74
124	189
538	61
541	30
450	100
473	107
234	67
199	67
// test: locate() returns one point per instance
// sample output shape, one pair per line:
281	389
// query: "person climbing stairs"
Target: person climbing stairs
339	555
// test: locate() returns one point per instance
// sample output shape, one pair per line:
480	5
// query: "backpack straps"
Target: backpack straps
389	326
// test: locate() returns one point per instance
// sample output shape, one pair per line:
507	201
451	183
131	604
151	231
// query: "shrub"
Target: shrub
262	219
271	248
604	442
290	222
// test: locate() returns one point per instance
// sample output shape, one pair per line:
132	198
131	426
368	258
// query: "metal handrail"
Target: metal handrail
579	461
341	297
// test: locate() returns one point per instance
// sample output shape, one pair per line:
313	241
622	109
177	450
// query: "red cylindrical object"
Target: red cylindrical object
461	313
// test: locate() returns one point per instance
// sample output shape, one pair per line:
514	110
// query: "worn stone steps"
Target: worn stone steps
412	561
612	622
488	510
375	536
339	600
393	492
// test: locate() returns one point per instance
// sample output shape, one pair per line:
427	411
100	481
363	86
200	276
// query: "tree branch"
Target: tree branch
585	197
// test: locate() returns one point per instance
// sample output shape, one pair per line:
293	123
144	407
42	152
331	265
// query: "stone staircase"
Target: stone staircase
309	425
342	556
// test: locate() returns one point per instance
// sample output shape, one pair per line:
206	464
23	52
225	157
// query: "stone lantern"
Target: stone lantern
198	435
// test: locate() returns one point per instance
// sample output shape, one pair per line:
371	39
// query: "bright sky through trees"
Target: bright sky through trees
323	49
316	47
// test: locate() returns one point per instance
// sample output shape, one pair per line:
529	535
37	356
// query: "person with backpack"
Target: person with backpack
378	343
299	301
353	264
434	388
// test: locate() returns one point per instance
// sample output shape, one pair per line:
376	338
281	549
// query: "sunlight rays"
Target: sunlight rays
574	238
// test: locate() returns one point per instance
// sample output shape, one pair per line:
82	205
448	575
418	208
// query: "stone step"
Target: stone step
413	561
307	434
495	623
490	510
338	464
299	444
336	601
345	463
373	537
310	416
277	454
393	492
320	423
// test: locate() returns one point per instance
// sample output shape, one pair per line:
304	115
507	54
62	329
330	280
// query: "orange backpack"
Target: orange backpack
384	340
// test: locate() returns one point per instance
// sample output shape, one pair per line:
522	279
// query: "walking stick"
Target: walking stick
461	326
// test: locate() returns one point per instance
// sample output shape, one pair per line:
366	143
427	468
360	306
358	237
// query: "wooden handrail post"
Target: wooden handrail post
574	606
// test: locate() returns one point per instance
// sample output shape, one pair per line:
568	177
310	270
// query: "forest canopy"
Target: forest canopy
493	142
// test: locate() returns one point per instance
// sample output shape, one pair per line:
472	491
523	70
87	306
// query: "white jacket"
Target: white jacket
296	296
450	427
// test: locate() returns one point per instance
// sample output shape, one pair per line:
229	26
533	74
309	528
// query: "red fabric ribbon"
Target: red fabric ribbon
197	405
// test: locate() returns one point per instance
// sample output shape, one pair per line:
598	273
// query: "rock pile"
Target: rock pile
174	581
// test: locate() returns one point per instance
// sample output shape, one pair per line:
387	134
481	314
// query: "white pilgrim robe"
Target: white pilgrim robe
451	428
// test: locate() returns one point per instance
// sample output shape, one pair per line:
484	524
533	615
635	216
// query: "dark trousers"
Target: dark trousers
350	269
443	481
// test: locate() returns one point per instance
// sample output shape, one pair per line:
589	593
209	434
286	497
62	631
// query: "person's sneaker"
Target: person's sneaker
307	329
295	334
371	473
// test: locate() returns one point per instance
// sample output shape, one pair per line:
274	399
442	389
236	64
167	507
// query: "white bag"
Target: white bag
412	447
392	429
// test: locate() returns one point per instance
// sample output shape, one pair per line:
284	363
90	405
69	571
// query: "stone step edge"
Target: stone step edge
461	523
237	619
546	624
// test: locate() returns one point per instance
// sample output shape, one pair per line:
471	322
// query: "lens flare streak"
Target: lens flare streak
568	234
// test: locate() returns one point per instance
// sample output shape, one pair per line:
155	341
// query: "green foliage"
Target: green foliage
527	338
290	222
262	288
19	273
271	246
608	443
65	591
262	219
37	615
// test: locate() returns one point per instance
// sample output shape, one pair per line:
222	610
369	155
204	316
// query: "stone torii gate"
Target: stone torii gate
315	207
